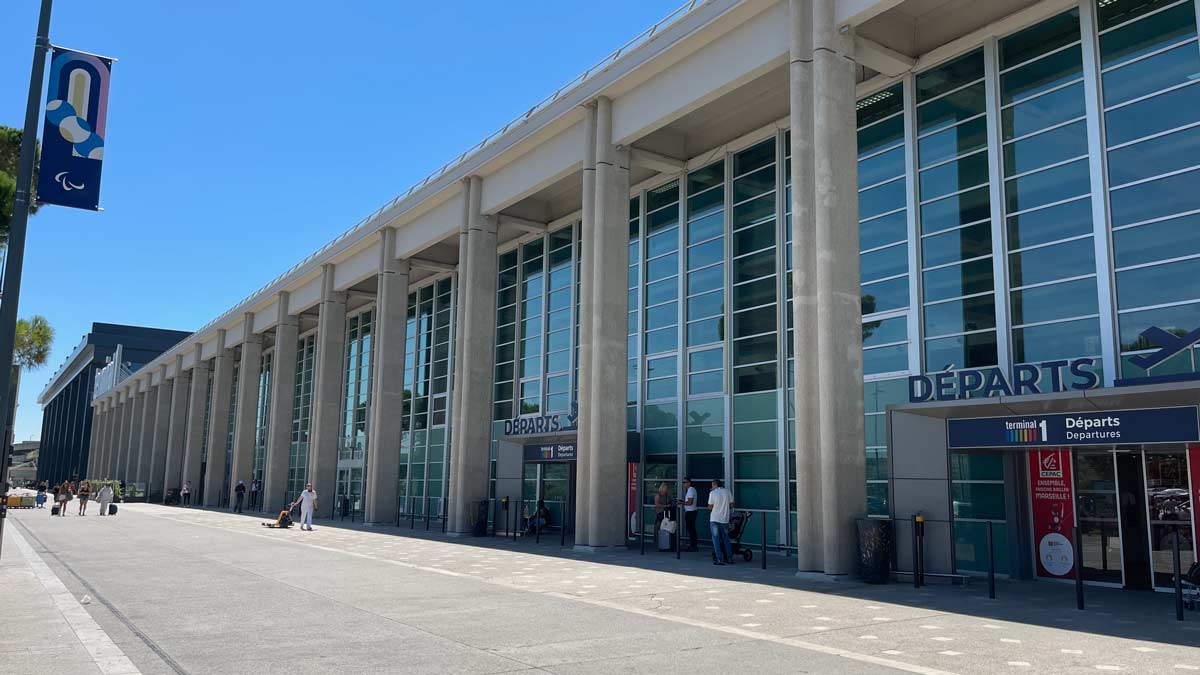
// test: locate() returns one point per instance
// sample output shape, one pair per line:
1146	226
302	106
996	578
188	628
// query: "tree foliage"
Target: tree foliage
10	159
34	339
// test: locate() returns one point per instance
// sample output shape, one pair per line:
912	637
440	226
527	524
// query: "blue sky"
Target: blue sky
244	135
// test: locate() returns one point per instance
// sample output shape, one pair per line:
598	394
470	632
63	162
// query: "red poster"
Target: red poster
633	498
1194	483
1053	512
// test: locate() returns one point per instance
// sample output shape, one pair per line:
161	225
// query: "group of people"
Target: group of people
720	508
68	490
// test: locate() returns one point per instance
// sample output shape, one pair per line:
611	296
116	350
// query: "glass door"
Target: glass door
1169	511
1098	516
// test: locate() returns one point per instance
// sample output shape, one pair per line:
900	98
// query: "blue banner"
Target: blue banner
73	131
1150	425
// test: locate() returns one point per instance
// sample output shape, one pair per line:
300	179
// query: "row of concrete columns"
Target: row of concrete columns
156	435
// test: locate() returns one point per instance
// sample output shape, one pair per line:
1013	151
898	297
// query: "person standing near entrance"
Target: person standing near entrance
239	493
186	493
308	503
690	510
720	504
105	498
254	494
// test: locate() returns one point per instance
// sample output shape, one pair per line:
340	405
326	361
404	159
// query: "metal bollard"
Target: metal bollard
991	564
426	513
1178	574
763	553
412	515
562	531
495	516
1076	566
678	532
398	502
916	577
443	517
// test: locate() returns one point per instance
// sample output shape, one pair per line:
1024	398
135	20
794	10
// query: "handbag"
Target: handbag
669	526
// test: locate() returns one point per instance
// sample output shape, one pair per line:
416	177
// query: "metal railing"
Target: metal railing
596	69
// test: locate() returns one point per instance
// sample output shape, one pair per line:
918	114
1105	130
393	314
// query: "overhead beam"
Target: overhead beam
656	161
882	59
523	224
431	265
855	12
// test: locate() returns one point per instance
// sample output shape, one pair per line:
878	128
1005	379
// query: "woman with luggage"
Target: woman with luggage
64	496
85	492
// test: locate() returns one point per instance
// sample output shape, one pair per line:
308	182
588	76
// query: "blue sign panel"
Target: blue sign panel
552	423
550	452
1151	425
73	131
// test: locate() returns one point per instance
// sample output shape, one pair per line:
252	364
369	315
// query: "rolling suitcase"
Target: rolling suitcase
112	509
54	510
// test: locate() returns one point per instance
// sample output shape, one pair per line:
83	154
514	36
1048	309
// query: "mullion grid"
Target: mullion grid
633	370
898	243
434	480
1145	137
263	414
423	330
560	261
531	311
946	232
356	406
1010	139
229	430
302	391
208	390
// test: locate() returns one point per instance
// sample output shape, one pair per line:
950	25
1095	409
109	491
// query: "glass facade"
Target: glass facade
302	407
262	417
356	405
424	447
233	397
208	389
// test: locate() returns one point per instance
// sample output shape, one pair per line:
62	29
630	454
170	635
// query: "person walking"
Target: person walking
186	493
85	492
105	497
720	504
308	503
239	493
691	508
64	496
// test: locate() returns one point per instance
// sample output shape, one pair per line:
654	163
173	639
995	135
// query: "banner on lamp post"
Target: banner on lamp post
73	130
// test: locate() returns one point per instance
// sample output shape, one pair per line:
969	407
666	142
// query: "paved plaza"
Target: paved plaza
167	590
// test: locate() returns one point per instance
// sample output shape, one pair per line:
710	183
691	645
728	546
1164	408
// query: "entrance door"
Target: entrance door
553	482
1169	508
1096	512
1131	497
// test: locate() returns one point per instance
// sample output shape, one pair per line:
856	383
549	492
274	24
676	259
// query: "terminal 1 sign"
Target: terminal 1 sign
1025	378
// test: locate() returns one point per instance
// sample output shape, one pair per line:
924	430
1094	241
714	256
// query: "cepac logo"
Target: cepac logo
1025	431
1050	466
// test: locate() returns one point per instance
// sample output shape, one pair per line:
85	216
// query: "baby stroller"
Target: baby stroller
737	527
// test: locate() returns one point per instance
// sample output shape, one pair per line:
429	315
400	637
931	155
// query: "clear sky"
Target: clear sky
243	135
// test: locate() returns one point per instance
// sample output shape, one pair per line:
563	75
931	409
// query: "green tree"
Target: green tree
10	159
31	350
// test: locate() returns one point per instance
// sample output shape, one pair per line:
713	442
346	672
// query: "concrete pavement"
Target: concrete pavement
193	591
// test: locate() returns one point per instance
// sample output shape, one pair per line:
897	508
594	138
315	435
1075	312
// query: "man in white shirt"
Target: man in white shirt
720	505
691	507
308	503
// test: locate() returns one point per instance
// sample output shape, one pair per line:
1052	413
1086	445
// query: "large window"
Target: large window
262	415
955	216
302	393
229	429
356	406
423	447
1149	61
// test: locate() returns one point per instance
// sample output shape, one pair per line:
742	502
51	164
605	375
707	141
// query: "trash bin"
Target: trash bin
480	528
874	550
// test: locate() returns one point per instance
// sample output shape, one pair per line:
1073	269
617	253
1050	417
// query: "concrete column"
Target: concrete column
606	457
162	433
218	422
470	455
246	415
195	425
460	328
141	473
387	395
838	359
114	425
136	413
93	442
178	428
587	273
328	372
804	292
279	430
120	447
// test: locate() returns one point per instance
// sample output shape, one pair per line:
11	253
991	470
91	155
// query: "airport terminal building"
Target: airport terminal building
852	257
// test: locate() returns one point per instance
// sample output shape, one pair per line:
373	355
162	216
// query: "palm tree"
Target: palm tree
31	350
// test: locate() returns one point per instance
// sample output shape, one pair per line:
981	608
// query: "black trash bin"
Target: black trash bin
480	528
874	550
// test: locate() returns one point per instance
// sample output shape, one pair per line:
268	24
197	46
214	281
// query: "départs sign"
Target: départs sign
1025	378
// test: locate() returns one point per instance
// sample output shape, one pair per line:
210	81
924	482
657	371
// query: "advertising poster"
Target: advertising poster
1053	512
634	525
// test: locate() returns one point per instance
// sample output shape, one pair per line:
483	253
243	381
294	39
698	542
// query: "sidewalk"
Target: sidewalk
46	629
